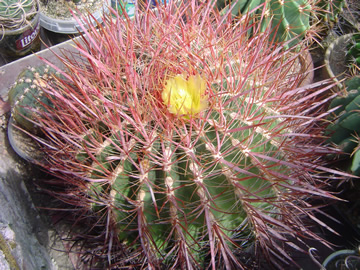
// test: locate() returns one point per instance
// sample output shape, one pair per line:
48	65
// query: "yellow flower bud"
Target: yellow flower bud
185	97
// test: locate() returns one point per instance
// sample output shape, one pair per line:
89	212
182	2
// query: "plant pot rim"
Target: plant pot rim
71	26
16	31
339	76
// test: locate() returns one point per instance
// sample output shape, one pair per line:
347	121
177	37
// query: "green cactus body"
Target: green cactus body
289	19
188	186
26	95
346	127
292	19
184	141
355	164
183	193
353	52
331	9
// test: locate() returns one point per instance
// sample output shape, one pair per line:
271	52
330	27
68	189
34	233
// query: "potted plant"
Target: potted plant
342	61
19	27
291	20
181	142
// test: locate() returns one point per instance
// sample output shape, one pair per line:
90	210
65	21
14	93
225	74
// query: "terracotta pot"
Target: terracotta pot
307	67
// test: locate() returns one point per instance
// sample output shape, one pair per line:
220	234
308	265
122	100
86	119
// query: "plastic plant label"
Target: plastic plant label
124	5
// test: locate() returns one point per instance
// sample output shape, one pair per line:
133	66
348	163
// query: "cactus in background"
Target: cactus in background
184	141
17	13
330	9
353	53
346	128
289	19
26	95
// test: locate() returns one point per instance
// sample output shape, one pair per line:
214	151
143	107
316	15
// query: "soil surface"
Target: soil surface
61	9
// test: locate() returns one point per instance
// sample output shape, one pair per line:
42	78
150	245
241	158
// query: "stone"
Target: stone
27	240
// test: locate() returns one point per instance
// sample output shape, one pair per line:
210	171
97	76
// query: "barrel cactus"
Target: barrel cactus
185	141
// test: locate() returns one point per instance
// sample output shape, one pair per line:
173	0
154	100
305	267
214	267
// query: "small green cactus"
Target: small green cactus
289	19
330	10
345	131
26	95
17	13
353	50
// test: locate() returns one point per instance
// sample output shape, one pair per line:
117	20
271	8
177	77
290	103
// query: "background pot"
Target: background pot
16	43
335	59
70	26
306	67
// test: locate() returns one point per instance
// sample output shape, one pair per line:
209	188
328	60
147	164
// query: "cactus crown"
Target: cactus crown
17	13
187	140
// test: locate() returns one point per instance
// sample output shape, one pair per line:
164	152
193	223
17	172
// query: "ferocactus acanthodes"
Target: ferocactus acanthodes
186	140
